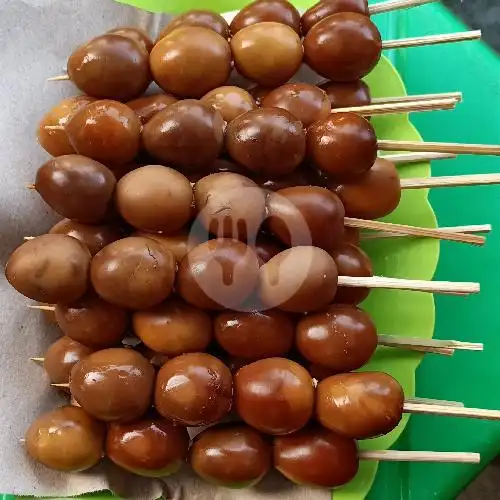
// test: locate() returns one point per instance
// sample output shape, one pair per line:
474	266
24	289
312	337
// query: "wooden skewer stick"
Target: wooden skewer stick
30	186
62	386
440	402
27	238
451	411
414	231
42	308
399	107
483	228
421	456
419	41
394	341
399	158
439	147
58	78
450	181
38	360
391	5
458	96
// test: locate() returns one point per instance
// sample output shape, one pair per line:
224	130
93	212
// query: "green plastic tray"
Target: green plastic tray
473	69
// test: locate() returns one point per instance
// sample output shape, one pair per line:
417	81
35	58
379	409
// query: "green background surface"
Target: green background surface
467	377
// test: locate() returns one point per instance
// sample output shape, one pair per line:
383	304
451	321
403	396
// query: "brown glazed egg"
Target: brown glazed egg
326	8
351	261
92	321
346	94
373	195
316	457
267	53
277	11
229	101
110	66
352	235
51	268
133	272
218	274
146	107
254	334
300	279
306	102
235	456
306	215
274	395
265	248
55	140
258	93
186	134
66	439
342	338
179	243
60	358
136	34
343	47
268	141
230	205
344	144
106	131
194	389
155	198
201	18
359	405
151	447
173	328
95	238
190	61
113	384
76	187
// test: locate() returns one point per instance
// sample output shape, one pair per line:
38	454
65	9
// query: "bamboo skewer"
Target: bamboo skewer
439	147
421	456
39	361
58	78
391	5
450	181
451	411
42	308
394	341
419	41
457	96
482	228
61	386
435	402
400	158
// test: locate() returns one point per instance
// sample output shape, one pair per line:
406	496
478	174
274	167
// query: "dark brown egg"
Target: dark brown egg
274	395
258	93
267	141
146	107
342	338
194	389
351	261
60	358
186	134
319	372
106	131
134	273
300	279
218	274
136	34
299	216
325	8
352	235
51	134
151	447
277	11
190	61
110	66
202	18
113	384
316	457
360	405
51	268
344	144
346	94
265	248
267	53
343	47
230	205
306	102
92	321
373	195
229	101
234	456
155	198
66	439
254	335
173	328
95	238
76	187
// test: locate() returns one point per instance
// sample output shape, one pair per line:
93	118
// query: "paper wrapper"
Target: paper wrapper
36	37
